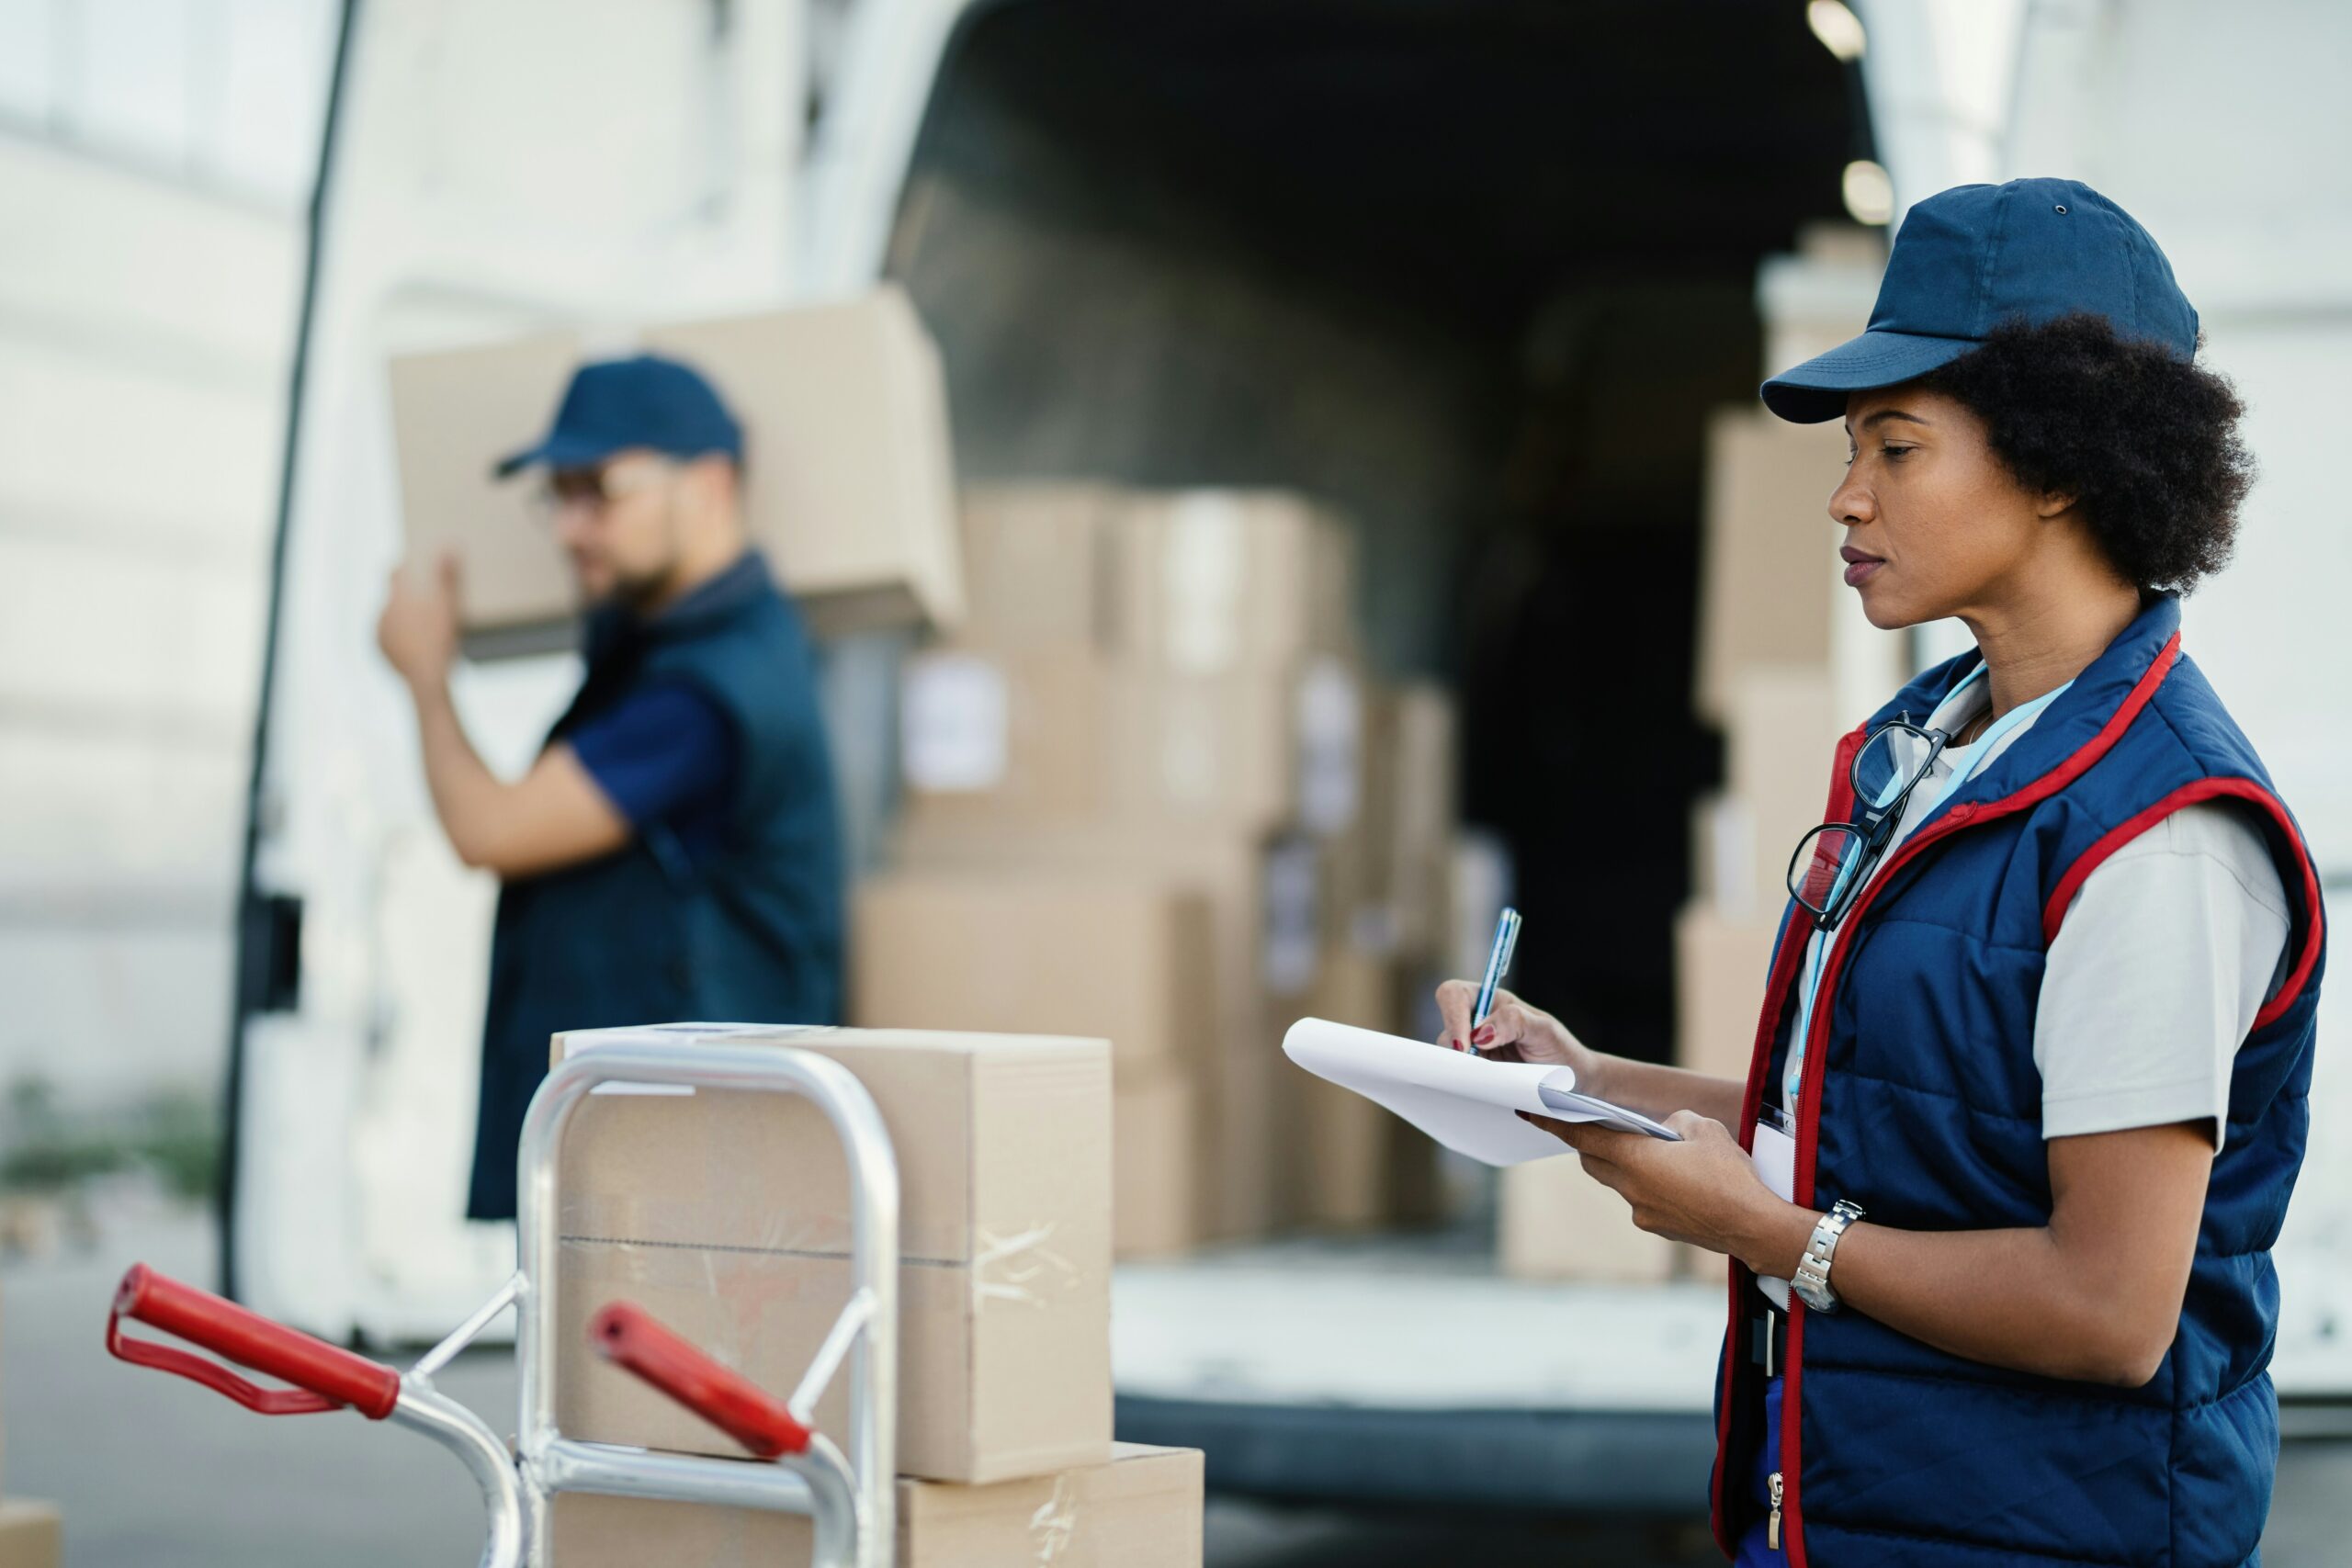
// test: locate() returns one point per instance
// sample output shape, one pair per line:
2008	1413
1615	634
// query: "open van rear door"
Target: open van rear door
490	170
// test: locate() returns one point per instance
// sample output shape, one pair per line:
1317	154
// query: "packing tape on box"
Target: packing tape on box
1203	574
1019	1268
635	1221
773	1246
1054	1524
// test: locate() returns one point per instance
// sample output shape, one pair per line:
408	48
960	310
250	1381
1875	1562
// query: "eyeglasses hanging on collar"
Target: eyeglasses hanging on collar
1834	862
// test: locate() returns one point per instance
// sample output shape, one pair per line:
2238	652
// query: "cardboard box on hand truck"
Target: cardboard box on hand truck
726	1215
1141	1509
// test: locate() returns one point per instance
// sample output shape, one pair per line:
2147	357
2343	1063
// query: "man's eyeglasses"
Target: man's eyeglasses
596	490
1834	862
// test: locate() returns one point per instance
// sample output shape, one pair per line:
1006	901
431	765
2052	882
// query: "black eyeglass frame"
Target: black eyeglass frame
1876	827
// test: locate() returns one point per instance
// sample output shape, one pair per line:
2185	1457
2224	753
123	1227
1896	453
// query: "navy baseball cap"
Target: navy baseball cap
1972	256
613	405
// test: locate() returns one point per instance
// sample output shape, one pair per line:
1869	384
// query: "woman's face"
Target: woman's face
1935	525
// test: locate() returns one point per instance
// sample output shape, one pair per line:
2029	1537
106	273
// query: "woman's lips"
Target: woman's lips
1859	567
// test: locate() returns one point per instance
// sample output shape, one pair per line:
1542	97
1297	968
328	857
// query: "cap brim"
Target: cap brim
555	452
1816	391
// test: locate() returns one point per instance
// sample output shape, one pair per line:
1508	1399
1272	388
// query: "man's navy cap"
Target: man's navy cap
615	404
1971	257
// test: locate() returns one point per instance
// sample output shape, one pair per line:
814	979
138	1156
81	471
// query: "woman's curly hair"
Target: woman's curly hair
2148	443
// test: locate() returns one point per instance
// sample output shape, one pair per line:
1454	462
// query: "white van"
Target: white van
1394	253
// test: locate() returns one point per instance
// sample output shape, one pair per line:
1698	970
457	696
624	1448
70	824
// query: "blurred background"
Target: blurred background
1363	518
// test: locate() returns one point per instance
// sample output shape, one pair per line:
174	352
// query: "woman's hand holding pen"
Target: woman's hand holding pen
1513	1032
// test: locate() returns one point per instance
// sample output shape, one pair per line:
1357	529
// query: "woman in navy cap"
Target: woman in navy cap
2029	1089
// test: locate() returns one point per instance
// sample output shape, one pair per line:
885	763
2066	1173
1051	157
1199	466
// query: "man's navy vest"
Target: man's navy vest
1922	1103
647	934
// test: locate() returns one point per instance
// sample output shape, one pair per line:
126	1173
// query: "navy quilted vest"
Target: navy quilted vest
1922	1103
649	934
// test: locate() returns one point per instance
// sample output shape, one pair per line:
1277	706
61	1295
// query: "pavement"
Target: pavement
156	1472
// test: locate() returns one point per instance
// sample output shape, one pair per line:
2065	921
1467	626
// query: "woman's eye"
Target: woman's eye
1895	451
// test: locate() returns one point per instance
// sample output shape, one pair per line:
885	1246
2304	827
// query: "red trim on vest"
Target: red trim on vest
2054	914
1816	1045
1787	953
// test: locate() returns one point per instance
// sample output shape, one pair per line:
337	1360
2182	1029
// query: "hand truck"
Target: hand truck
848	1498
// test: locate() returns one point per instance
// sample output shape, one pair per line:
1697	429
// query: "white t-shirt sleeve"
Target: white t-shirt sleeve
2168	950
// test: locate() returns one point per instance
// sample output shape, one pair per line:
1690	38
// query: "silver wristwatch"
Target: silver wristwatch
1811	1281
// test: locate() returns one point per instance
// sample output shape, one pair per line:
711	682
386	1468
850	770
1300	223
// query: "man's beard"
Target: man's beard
641	591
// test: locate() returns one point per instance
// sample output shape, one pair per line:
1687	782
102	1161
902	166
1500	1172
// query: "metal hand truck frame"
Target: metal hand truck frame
848	1496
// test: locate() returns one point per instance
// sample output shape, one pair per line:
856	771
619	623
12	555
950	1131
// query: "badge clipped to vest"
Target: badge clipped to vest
1775	1157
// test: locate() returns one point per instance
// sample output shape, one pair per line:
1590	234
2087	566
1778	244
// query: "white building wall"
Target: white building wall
155	158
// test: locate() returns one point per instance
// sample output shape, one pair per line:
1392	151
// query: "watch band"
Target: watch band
1811	1281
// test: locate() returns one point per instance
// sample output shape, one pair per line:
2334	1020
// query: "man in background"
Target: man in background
674	853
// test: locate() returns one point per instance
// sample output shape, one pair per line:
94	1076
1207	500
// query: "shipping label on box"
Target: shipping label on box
1140	1509
1000	738
955	725
727	1213
995	738
1330	725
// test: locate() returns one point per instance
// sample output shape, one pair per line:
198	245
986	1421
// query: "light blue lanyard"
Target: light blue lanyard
1817	943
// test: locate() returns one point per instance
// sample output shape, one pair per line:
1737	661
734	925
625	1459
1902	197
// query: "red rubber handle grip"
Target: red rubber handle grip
324	1377
630	1337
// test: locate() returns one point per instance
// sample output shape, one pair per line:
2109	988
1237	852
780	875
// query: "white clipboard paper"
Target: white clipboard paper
1463	1102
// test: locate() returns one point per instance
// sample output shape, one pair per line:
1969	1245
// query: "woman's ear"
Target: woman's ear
2054	503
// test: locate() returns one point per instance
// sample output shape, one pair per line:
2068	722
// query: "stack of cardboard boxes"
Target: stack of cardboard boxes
31	1534
1149	793
726	1216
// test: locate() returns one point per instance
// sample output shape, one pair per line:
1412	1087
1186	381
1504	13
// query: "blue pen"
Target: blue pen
1497	966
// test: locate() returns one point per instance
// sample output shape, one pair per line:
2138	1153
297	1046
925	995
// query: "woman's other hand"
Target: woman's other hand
1513	1032
1703	1190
